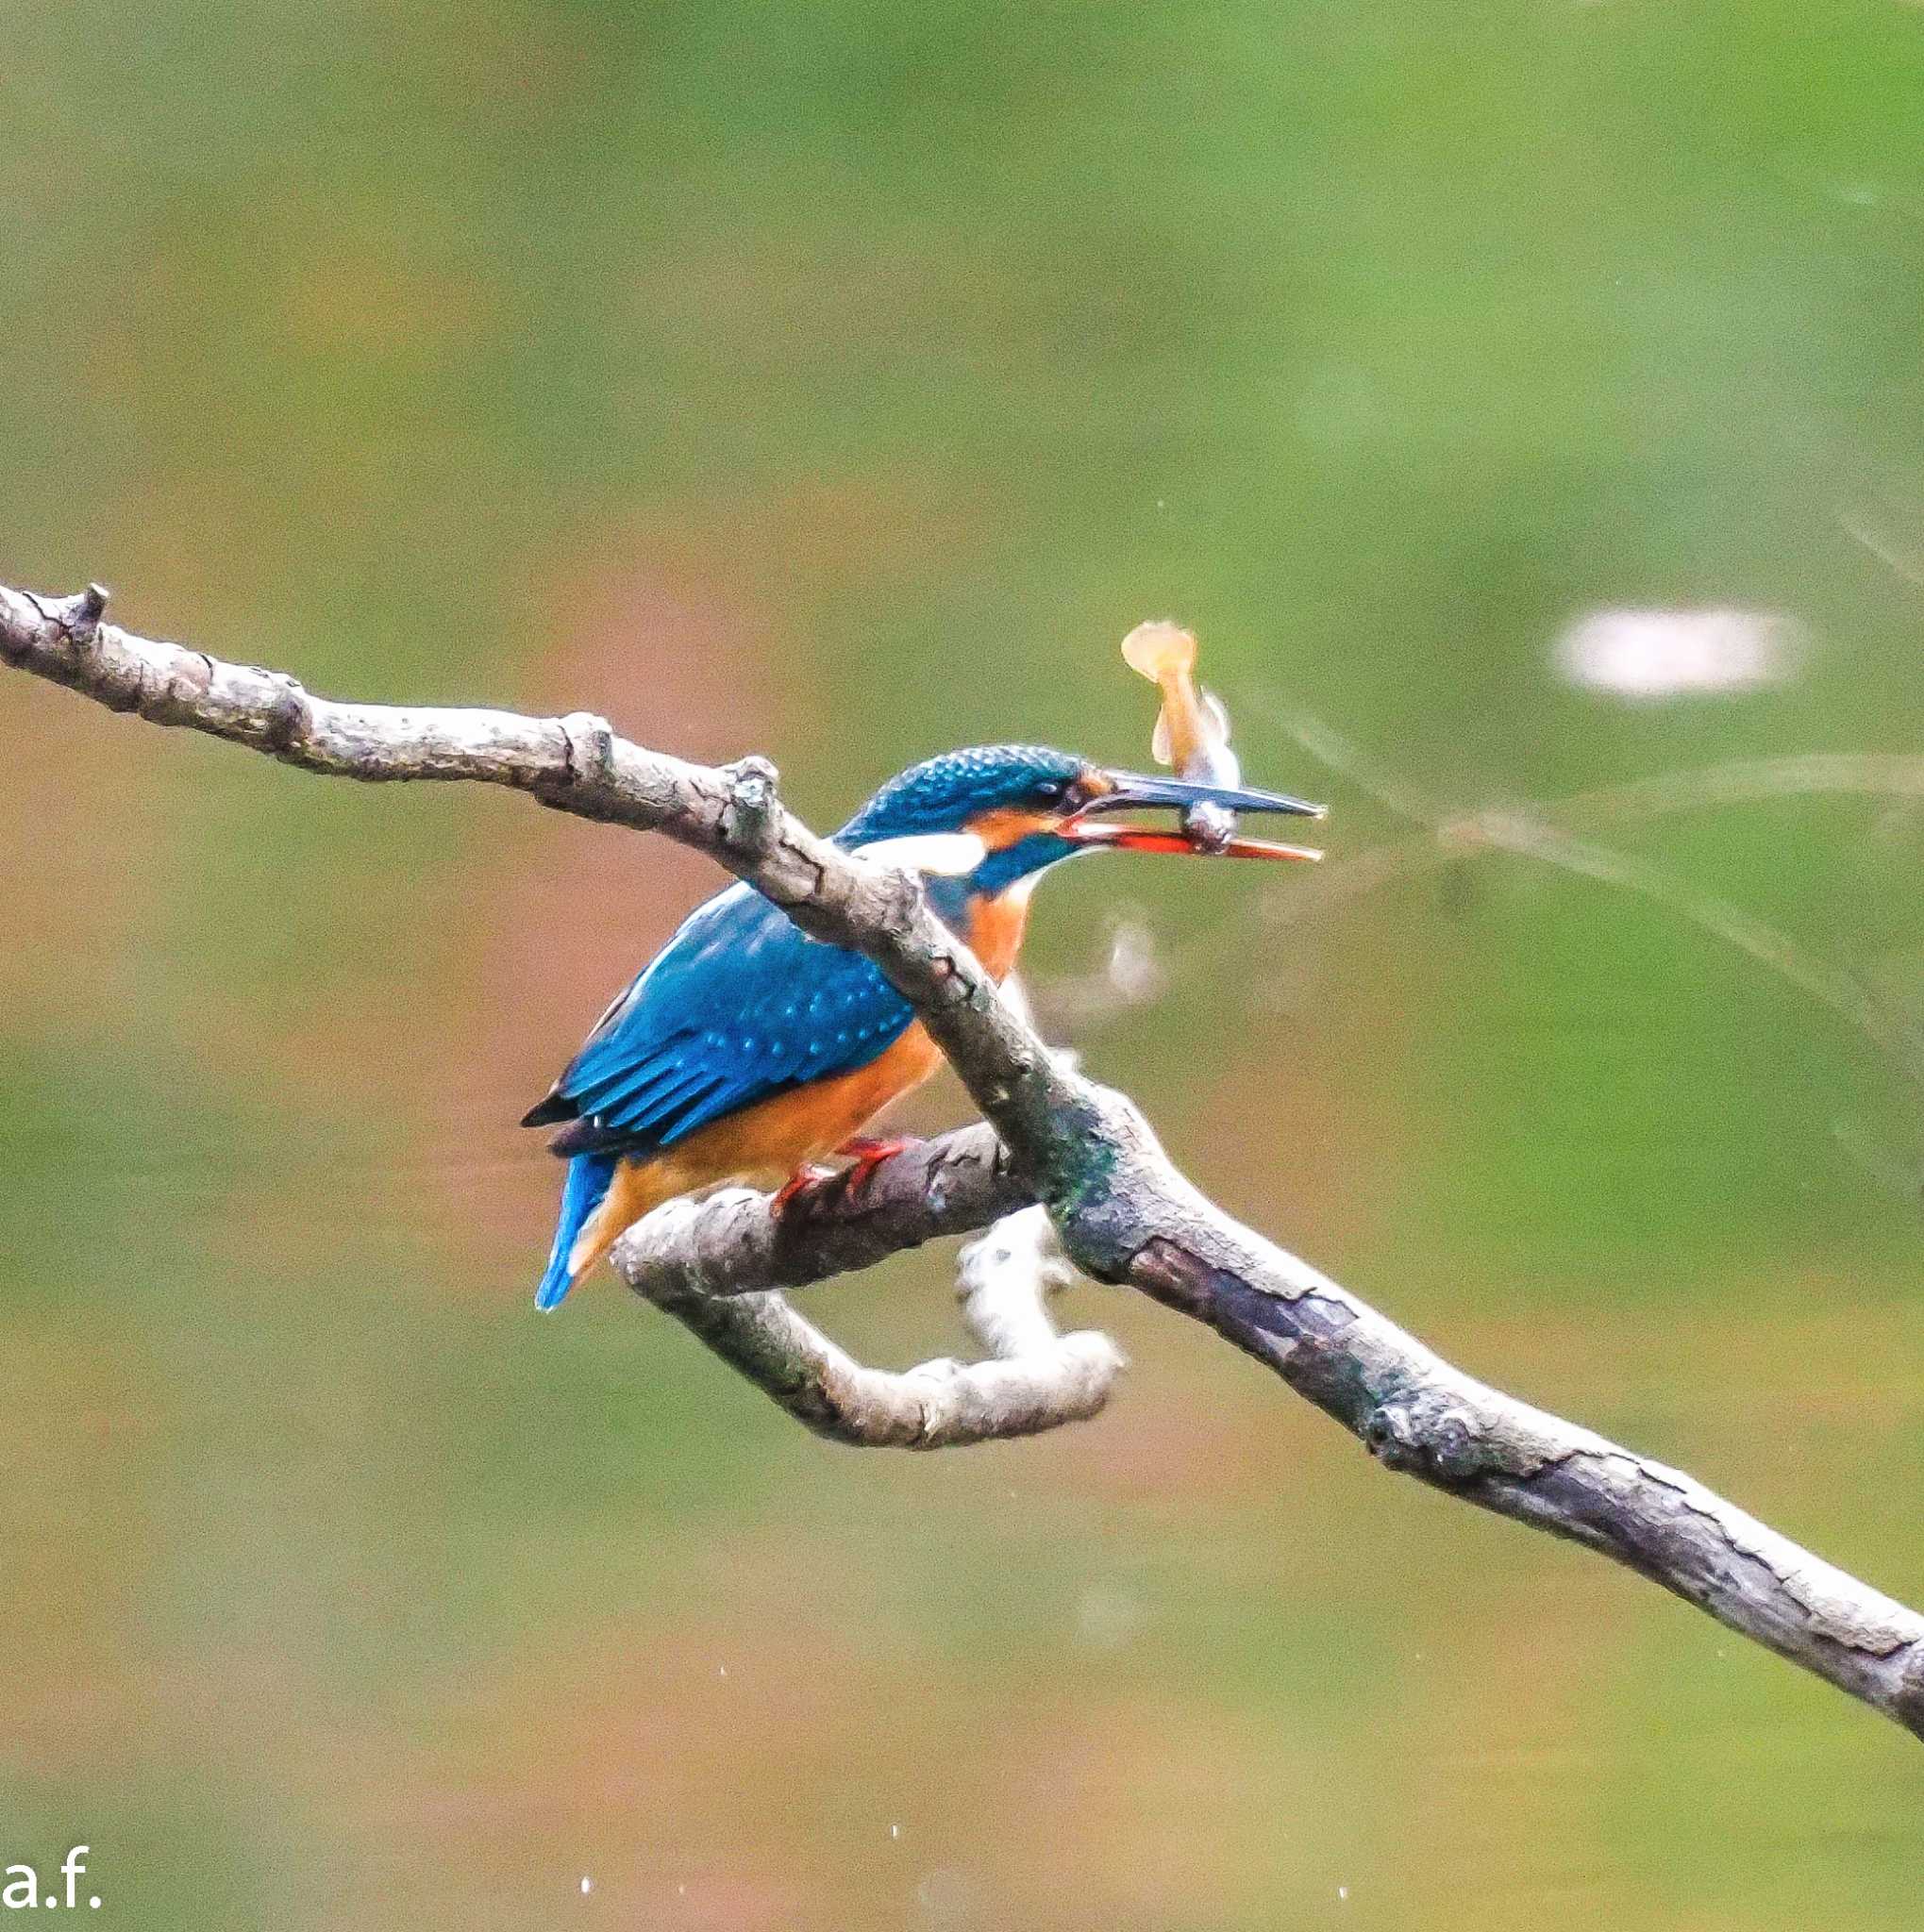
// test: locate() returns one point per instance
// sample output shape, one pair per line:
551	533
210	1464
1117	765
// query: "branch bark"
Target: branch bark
681	1258
1122	1211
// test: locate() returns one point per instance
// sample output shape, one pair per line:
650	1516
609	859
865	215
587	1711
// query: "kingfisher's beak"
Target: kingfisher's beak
1134	790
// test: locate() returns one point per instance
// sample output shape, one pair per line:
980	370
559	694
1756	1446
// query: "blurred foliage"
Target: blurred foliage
842	381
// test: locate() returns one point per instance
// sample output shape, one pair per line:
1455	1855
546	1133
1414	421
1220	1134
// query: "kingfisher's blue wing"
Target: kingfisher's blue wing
739	1006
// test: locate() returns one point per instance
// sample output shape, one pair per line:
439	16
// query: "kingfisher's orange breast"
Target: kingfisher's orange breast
997	926
776	1136
768	1141
772	1140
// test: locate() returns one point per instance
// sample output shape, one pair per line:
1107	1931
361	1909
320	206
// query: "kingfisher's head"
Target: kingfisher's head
999	813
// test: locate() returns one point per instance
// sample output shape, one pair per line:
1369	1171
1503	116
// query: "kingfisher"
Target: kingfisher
745	1051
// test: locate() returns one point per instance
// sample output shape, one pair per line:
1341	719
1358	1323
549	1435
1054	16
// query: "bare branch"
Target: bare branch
577	764
1122	1212
735	1245
1035	1378
1422	1416
713	1266
1414	1411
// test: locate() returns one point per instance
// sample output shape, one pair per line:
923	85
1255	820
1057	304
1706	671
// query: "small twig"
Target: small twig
1843	992
1749	781
1536	832
1907	563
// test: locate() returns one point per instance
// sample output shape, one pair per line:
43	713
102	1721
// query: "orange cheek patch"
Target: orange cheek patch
1007	824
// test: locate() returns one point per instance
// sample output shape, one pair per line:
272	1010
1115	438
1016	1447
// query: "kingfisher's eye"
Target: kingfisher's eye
1049	787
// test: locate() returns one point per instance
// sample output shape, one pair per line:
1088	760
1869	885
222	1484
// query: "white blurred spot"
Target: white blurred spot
1665	654
1134	971
1110	1615
587	1885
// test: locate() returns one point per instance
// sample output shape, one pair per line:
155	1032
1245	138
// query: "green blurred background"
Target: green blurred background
841	382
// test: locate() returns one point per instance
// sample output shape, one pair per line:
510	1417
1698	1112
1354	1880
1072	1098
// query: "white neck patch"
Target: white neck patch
947	853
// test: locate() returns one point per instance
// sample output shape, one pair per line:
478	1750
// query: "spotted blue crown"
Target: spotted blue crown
944	795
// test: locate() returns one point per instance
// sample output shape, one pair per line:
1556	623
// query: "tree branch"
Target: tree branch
1122	1211
955	1184
715	1265
1035	1380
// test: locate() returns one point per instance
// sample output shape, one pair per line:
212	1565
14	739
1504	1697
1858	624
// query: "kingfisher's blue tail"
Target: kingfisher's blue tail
589	1175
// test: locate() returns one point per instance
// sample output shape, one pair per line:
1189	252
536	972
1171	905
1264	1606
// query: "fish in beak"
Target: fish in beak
1137	791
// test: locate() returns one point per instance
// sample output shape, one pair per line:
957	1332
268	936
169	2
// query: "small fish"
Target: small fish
1193	727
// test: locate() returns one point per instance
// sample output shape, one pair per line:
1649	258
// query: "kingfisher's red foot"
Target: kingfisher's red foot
869	1155
805	1178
